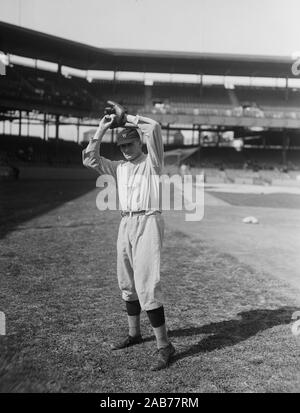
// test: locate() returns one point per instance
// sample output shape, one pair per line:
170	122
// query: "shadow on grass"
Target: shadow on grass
228	333
21	201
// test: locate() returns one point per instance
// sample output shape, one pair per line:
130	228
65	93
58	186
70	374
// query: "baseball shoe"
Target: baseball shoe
163	357
127	342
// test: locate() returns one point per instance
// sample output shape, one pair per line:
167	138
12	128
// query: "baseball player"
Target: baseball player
141	228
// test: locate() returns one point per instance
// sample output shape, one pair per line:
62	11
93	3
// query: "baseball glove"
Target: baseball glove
114	108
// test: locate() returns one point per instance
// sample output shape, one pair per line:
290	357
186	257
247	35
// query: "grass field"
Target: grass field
230	323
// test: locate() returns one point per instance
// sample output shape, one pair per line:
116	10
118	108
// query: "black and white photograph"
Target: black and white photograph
149	199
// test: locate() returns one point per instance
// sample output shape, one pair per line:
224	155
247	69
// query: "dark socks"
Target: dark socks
133	314
157	320
133	307
156	317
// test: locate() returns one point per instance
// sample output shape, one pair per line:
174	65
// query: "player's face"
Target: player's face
131	150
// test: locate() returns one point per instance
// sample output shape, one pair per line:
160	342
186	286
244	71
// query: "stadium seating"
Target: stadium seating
268	98
189	95
26	84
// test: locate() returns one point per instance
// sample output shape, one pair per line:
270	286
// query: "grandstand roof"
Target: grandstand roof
29	43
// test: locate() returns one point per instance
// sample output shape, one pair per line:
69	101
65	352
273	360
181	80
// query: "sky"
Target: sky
257	27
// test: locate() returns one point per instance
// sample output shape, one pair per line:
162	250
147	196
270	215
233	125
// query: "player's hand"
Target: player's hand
120	114
106	122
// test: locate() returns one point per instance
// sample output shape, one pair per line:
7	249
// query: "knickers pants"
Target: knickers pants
139	245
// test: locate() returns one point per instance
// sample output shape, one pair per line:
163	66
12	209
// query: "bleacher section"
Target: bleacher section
24	84
192	94
72	95
268	98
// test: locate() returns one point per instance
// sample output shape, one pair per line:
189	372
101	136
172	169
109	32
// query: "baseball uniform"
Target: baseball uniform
140	236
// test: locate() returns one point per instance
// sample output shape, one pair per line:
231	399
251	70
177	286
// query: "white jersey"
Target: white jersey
138	180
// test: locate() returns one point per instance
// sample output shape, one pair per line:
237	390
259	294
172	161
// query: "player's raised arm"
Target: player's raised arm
152	132
91	154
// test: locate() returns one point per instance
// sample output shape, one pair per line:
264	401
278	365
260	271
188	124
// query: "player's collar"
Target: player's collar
140	158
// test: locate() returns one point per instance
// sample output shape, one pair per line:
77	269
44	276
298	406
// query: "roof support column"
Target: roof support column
20	123
57	127
148	97
193	134
168	134
286	88
78	129
28	124
264	139
114	82
199	136
285	146
45	127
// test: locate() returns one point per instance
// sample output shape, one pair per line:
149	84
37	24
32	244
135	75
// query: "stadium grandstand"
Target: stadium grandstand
236	117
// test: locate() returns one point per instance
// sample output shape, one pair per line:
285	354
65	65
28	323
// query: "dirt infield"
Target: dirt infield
230	321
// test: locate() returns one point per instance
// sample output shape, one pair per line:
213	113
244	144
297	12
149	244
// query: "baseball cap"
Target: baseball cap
127	135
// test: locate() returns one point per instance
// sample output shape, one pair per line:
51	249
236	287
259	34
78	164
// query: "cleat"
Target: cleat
163	357
127	342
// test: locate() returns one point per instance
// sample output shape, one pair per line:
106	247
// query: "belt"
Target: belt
131	213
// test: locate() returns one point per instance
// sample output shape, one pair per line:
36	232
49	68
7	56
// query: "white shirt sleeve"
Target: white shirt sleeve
151	131
91	159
